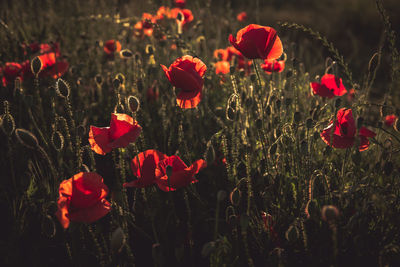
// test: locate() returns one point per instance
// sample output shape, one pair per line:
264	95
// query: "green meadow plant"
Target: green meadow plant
182	137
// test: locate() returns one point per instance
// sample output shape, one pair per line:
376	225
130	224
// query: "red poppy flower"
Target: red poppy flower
163	12
221	54
180	3
181	175
143	167
82	199
112	46
273	65
10	72
255	41
186	73
344	132
187	14
390	120
222	67
242	16
329	87
140	31
122	131
147	20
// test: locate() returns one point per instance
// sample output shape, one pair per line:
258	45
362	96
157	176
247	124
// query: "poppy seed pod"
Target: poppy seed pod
329	213
235	196
36	66
126	53
116	83
62	88
7	124
133	103
121	78
26	138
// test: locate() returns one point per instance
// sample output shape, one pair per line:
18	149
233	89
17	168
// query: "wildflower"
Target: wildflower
163	12
242	16
390	120
143	167
180	3
222	67
112	46
329	87
221	54
186	73
255	41
344	132
187	15
10	72
273	65
122	131
181	175
82	199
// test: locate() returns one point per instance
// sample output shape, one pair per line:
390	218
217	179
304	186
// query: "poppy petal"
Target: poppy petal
99	139
92	213
143	167
185	80
62	212
188	99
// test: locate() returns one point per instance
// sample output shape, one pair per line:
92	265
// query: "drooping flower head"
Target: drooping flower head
186	73
329	87
122	131
112	46
187	15
255	41
344	132
180	3
82	199
273	65
181	175
143	167
390	120
242	16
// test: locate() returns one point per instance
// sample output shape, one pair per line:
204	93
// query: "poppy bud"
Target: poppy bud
309	123
230	114
26	138
338	102
232	69
116	84
149	49
210	153
329	213
272	149
7	124
80	131
57	140
207	249
62	88
48	226
36	66
120	77
221	195
133	103
118	240
397	125
289	74
234	196
98	79
292	233
126	53
180	17
297	117
242	73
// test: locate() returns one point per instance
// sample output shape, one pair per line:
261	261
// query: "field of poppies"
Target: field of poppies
183	133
